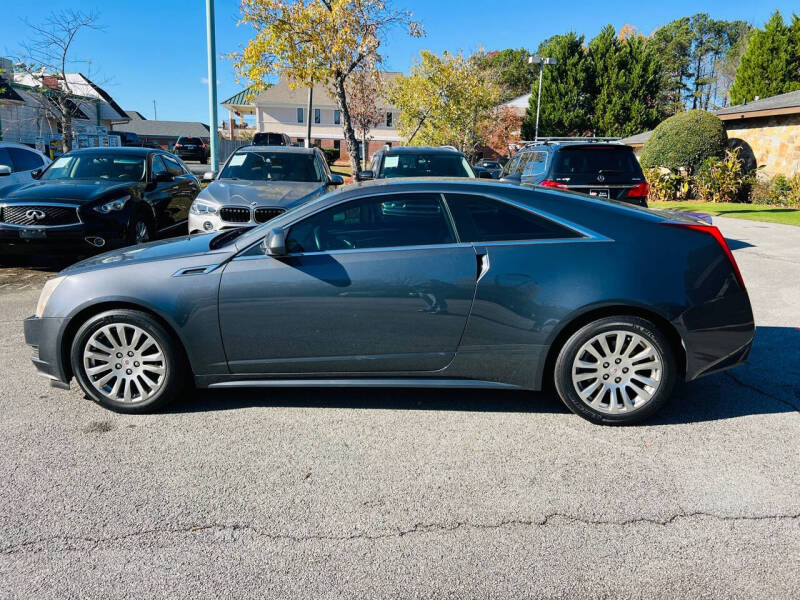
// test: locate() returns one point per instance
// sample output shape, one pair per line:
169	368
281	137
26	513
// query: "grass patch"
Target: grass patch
752	212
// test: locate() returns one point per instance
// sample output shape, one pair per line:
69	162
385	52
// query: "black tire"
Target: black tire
134	237
566	388
175	368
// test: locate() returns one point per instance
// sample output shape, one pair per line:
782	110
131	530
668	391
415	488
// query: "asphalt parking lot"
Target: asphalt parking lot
408	493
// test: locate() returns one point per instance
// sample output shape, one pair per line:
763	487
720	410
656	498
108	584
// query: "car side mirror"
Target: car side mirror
209	175
36	173
484	175
5	171
336	180
275	242
366	175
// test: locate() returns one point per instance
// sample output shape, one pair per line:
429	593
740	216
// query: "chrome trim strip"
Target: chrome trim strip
59	204
366	382
198	270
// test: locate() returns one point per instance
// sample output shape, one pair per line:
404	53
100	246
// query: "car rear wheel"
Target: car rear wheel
139	231
127	361
616	370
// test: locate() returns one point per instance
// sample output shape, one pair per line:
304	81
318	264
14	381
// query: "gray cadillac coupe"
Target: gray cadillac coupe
418	283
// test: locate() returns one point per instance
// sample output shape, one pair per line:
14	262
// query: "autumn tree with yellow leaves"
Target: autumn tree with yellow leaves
318	41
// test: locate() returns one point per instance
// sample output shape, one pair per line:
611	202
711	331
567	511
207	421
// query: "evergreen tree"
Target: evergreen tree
511	71
769	65
566	97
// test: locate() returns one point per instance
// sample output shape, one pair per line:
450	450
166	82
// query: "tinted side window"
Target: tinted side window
24	160
172	166
481	219
5	159
381	222
158	166
535	164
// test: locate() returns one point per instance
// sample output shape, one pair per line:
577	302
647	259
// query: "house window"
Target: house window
337	144
337	117
388	119
300	115
317	116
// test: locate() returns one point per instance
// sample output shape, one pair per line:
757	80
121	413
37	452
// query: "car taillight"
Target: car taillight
640	190
717	235
553	184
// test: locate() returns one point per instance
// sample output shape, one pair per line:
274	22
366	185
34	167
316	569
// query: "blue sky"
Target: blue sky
155	49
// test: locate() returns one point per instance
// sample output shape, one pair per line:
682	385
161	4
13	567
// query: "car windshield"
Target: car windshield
591	160
97	166
271	166
195	141
268	139
440	164
488	164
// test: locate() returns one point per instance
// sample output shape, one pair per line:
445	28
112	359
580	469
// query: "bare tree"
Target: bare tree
46	58
364	89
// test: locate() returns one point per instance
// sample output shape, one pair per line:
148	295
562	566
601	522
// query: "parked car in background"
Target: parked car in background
494	168
598	167
18	162
127	138
98	198
415	283
271	139
418	161
258	183
191	148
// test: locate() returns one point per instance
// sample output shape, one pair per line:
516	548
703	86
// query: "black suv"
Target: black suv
191	148
418	161
271	139
596	166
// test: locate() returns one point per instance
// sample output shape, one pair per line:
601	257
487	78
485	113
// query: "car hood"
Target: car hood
181	247
77	191
280	194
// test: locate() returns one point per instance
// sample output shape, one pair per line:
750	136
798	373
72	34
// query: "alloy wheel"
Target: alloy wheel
617	372
124	363
142	233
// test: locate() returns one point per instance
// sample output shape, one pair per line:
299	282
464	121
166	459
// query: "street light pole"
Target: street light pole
538	60
212	82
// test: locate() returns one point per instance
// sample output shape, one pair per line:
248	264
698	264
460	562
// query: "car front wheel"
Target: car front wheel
127	361
616	370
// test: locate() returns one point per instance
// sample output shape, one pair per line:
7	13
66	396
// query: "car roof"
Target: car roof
576	144
275	148
129	150
16	145
421	150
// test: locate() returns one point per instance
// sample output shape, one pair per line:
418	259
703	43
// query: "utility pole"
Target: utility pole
310	107
212	82
538	60
155	111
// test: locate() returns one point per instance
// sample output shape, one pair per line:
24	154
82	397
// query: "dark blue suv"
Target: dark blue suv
600	167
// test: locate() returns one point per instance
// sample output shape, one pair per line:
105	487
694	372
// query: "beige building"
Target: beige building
280	109
767	130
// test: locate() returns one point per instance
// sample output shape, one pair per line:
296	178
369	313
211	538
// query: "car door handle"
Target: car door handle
482	257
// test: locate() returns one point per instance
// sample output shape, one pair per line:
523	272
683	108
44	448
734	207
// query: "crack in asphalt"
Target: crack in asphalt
417	528
758	390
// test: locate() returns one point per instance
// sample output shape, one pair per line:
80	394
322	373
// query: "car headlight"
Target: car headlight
203	207
47	291
112	206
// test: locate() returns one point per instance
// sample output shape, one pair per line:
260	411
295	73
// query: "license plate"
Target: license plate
32	234
600	193
190	147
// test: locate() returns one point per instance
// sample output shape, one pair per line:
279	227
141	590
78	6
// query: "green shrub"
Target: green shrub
778	191
721	180
331	155
685	141
666	185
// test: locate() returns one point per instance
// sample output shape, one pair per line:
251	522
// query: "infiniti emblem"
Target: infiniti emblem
35	215
601	178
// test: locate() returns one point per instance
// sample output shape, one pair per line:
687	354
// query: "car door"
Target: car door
375	284
162	194
187	189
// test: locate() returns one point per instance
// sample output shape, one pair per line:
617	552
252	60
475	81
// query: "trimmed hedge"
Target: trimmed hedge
331	155
685	141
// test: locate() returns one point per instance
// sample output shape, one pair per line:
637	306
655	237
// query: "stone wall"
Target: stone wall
770	141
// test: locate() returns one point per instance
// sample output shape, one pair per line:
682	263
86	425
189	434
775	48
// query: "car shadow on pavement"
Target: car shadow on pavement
768	384
734	244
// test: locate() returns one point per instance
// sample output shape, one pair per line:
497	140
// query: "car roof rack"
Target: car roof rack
549	140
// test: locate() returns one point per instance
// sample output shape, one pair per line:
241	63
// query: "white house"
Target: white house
280	109
26	112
